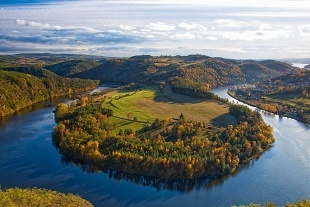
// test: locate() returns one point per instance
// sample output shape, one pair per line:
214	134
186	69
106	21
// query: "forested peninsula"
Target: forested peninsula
172	148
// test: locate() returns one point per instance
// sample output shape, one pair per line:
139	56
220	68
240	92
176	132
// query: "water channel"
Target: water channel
28	159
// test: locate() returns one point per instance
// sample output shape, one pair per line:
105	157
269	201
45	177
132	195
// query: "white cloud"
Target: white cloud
189	26
160	23
160	26
126	27
230	23
265	26
54	27
304	30
21	21
150	36
250	35
145	30
211	38
186	35
37	24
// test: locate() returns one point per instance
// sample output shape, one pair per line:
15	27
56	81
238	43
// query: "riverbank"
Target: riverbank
6	112
20	89
258	105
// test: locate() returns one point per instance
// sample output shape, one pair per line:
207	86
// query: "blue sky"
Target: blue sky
256	29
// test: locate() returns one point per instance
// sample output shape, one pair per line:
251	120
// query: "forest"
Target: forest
34	197
23	84
204	70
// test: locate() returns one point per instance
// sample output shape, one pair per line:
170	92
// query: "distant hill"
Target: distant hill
71	67
276	65
299	78
296	60
197	68
30	69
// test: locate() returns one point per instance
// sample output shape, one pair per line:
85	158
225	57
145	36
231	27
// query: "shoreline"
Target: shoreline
253	105
45	101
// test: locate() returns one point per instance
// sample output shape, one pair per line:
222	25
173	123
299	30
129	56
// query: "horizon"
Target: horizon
275	29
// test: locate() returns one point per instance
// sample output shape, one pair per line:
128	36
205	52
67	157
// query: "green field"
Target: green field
148	104
289	99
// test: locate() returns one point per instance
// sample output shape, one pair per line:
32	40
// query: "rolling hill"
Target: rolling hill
197	68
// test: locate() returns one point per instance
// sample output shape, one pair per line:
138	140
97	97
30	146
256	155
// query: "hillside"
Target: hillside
200	69
18	90
24	84
71	67
287	95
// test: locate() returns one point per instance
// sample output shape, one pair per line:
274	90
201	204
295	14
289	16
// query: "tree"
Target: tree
61	110
182	116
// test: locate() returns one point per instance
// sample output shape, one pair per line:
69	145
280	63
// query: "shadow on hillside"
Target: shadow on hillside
224	120
168	96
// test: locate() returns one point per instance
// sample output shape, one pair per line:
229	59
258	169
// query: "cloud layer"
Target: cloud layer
237	29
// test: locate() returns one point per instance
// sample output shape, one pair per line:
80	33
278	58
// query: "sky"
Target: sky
239	29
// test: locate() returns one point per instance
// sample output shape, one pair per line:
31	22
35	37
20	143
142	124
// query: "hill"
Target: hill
71	67
204	70
24	84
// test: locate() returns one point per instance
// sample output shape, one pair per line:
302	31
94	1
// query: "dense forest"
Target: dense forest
22	84
16	197
203	70
71	67
287	95
170	148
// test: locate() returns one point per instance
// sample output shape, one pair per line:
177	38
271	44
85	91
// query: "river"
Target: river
28	159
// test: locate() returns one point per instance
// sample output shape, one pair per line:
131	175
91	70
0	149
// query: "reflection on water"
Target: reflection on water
182	185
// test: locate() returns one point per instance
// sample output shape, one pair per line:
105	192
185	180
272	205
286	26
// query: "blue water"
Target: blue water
28	159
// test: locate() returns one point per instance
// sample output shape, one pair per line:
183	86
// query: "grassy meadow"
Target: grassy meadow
133	109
